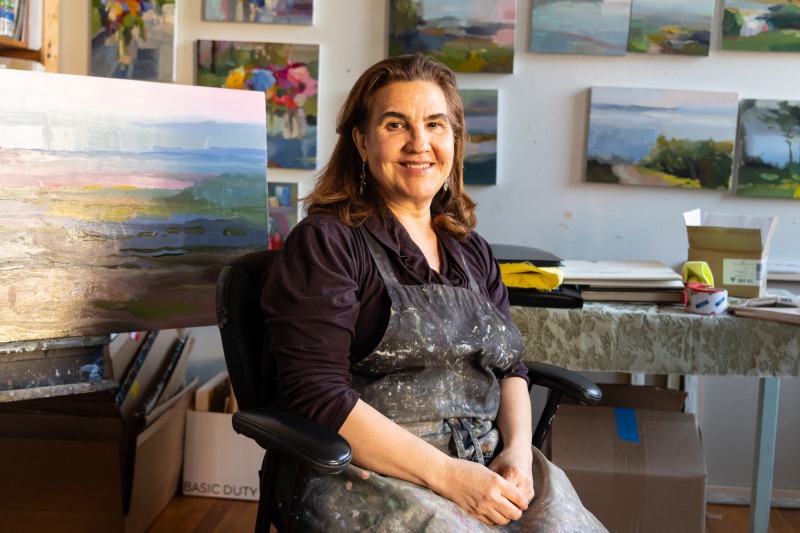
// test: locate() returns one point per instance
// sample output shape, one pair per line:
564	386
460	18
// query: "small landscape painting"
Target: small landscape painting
480	153
768	164
465	35
680	27
661	137
133	39
286	75
267	11
761	25
597	27
118	217
282	212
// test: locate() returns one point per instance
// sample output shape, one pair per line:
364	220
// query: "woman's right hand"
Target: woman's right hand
481	492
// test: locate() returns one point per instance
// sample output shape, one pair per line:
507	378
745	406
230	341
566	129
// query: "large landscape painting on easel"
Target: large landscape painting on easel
120	201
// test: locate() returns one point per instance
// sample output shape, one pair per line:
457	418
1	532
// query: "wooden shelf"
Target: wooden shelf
7	42
48	55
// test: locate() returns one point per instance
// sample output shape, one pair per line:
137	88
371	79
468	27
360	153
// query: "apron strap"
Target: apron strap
379	255
385	267
473	285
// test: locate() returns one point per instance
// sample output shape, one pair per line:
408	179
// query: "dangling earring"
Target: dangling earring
446	184
362	178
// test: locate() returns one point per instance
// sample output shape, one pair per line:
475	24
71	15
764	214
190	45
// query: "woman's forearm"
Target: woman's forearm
382	446
514	416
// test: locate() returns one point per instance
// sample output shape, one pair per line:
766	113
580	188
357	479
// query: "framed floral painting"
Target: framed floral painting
287	75
133	39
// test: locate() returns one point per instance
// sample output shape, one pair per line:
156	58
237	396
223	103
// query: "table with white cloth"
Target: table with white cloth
666	339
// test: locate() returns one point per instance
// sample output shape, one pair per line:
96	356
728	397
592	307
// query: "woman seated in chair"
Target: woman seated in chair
389	323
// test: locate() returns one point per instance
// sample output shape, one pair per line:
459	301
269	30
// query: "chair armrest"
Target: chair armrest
582	390
310	444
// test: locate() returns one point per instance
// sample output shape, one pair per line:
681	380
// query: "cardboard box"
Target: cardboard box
655	485
735	247
217	461
70	465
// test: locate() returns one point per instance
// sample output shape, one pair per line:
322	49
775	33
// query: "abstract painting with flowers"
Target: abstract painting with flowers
287	74
133	39
265	11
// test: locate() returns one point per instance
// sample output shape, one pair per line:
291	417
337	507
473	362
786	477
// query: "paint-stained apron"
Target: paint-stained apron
435	373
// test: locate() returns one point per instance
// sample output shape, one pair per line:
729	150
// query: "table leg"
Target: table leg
766	429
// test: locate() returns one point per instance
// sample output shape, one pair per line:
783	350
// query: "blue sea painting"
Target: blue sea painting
679	27
590	27
661	137
120	201
480	151
768	163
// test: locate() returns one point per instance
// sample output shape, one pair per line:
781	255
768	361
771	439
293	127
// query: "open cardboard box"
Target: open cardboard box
655	485
217	461
735	248
71	464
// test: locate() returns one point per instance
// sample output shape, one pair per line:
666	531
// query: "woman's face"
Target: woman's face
408	143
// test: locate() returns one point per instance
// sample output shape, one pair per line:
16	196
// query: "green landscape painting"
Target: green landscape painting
681	27
761	25
768	164
661	137
121	200
465	35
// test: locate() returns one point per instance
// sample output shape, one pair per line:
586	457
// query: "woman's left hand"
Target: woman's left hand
515	466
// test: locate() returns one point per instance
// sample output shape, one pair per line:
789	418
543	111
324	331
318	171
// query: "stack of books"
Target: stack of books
625	281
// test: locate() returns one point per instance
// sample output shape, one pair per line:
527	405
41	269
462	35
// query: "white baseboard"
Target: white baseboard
783	498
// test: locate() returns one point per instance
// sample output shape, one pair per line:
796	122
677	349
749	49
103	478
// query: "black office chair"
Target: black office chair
296	445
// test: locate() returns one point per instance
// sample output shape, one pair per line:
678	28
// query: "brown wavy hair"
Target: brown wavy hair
336	190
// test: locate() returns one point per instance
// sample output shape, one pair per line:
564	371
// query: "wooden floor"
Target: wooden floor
187	514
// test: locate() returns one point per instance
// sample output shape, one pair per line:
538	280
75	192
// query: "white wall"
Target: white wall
540	199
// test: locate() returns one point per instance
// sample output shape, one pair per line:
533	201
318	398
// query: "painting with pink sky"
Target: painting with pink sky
120	201
465	35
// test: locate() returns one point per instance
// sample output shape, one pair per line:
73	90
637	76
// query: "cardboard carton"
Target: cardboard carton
218	462
735	247
71	465
657	484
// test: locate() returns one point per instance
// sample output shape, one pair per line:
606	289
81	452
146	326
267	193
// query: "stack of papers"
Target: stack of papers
627	281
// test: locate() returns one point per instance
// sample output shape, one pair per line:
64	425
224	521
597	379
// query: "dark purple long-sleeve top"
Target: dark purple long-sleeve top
326	306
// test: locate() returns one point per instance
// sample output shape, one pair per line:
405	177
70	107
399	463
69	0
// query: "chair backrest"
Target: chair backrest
241	326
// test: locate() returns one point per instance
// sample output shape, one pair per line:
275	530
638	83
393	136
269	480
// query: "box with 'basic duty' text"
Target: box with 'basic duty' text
217	461
636	469
735	248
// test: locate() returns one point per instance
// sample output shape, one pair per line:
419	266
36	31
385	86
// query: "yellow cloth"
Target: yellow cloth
528	276
697	271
